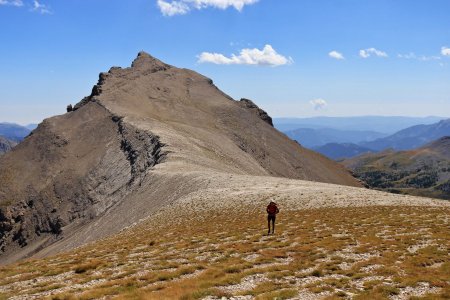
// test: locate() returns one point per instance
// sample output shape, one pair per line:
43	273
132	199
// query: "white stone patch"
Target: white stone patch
31	283
421	245
247	297
340	235
421	289
251	257
307	295
359	283
69	287
345	266
247	283
370	268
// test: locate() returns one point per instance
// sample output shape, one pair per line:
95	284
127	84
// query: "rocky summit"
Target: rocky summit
147	135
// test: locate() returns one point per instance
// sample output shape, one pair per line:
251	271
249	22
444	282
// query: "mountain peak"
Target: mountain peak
146	61
145	133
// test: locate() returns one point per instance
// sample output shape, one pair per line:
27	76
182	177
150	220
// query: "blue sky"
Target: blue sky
287	53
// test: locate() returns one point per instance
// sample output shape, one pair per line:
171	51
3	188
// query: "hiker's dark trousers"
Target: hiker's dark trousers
271	218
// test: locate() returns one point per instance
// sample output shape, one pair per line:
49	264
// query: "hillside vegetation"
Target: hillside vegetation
424	171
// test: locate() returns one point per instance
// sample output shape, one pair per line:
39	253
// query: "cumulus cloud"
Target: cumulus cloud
318	104
336	55
265	57
173	8
41	8
412	55
180	7
445	51
16	3
365	53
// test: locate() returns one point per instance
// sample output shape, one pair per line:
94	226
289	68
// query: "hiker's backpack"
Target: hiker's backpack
272	209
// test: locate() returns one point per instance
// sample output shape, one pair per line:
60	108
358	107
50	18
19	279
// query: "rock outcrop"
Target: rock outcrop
6	145
258	111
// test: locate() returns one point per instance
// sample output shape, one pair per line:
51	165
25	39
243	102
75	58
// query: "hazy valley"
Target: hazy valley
413	160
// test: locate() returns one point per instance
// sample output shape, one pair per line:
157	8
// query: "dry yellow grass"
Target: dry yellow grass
333	253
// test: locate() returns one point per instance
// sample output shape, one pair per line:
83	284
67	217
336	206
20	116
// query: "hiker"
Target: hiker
272	210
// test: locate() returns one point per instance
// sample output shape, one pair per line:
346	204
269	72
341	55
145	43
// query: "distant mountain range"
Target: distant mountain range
11	134
382	124
15	132
338	151
338	144
312	138
424	171
411	137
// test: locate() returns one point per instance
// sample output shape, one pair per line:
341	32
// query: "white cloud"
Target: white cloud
265	57
16	3
363	54
412	55
222	4
318	104
173	8
336	55
371	51
35	5
445	51
180	7
41	8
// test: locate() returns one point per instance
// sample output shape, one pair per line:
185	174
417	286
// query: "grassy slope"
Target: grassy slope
333	253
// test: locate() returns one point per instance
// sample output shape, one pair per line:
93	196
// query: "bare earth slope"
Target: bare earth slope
145	137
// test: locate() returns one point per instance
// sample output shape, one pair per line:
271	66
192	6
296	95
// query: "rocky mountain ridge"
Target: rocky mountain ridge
411	137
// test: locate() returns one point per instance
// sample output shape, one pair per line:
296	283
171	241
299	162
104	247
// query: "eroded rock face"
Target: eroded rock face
258	111
6	145
142	149
62	192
